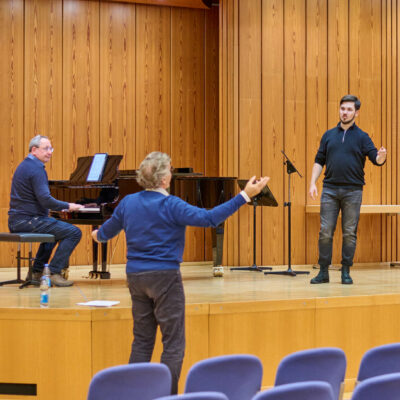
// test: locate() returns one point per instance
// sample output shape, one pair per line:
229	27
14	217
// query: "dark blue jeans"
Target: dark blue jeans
158	299
334	200
67	236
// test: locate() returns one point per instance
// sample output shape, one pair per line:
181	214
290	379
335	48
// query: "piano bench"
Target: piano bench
21	237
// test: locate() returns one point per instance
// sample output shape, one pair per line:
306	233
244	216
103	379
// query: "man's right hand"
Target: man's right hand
313	191
254	186
74	206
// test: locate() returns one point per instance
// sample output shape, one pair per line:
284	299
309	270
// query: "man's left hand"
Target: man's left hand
381	157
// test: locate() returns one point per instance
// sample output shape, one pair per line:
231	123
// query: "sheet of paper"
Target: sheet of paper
99	303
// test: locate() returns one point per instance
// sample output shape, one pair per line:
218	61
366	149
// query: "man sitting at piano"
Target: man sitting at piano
154	223
29	212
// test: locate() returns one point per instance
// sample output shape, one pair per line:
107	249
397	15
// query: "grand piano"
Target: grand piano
100	199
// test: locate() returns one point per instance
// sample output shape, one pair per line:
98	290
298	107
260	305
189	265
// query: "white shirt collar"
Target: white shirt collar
159	190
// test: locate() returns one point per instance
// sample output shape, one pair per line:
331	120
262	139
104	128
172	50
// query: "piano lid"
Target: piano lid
79	176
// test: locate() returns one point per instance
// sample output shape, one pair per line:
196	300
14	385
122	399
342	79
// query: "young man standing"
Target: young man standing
343	150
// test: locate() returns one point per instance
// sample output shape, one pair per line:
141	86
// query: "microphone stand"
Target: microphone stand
290	169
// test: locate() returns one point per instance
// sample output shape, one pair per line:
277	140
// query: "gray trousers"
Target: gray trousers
158	299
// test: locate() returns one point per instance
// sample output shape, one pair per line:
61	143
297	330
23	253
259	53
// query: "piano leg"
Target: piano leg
104	274
218	248
95	250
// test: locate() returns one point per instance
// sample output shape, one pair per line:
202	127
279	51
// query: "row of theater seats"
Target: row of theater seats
316	374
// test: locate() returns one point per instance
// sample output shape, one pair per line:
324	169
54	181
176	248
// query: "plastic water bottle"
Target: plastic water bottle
44	287
46	273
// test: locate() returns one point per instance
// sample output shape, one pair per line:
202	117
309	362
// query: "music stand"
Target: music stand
264	198
290	169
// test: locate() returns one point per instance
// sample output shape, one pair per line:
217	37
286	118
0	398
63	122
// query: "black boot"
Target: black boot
323	275
346	278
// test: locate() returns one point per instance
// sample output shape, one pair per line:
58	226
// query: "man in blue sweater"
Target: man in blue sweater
29	211
154	223
343	150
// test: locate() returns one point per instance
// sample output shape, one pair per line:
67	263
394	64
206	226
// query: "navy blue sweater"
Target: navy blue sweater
344	154
155	226
30	193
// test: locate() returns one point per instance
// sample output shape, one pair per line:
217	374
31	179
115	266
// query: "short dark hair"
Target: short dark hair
353	99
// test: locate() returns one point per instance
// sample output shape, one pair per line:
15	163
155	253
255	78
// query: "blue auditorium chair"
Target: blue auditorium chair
327	364
312	390
379	361
196	396
382	387
237	376
144	381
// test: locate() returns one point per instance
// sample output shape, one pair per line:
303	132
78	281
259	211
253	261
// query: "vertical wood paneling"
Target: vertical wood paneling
80	96
249	118
11	106
317	104
395	124
273	234
187	104
117	81
11	93
338	86
229	122
294	128
211	104
365	73
117	92
43	77
384	127
338	56
153	80
80	81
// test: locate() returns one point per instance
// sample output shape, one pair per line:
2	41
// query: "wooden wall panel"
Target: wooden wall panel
117	92
330	48
11	105
273	231
317	105
364	78
117	81
96	76
80	96
211	117
187	104
295	118
228	111
338	85
43	77
249	118
153	80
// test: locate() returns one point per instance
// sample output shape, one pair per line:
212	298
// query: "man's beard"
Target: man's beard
349	122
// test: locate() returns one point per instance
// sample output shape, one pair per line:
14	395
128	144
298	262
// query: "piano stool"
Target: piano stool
19	238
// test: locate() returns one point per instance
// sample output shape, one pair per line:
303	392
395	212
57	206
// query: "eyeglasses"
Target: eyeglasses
46	149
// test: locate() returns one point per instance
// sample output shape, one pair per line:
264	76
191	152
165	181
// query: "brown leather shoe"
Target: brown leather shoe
35	276
58	280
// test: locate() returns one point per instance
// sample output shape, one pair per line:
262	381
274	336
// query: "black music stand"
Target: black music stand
290	169
264	198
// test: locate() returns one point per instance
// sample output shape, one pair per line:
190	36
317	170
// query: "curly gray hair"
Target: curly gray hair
153	169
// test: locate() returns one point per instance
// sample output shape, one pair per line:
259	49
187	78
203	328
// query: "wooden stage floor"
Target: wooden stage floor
60	348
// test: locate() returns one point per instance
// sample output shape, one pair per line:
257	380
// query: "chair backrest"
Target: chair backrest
380	360
237	376
142	381
312	390
327	364
385	387
196	396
